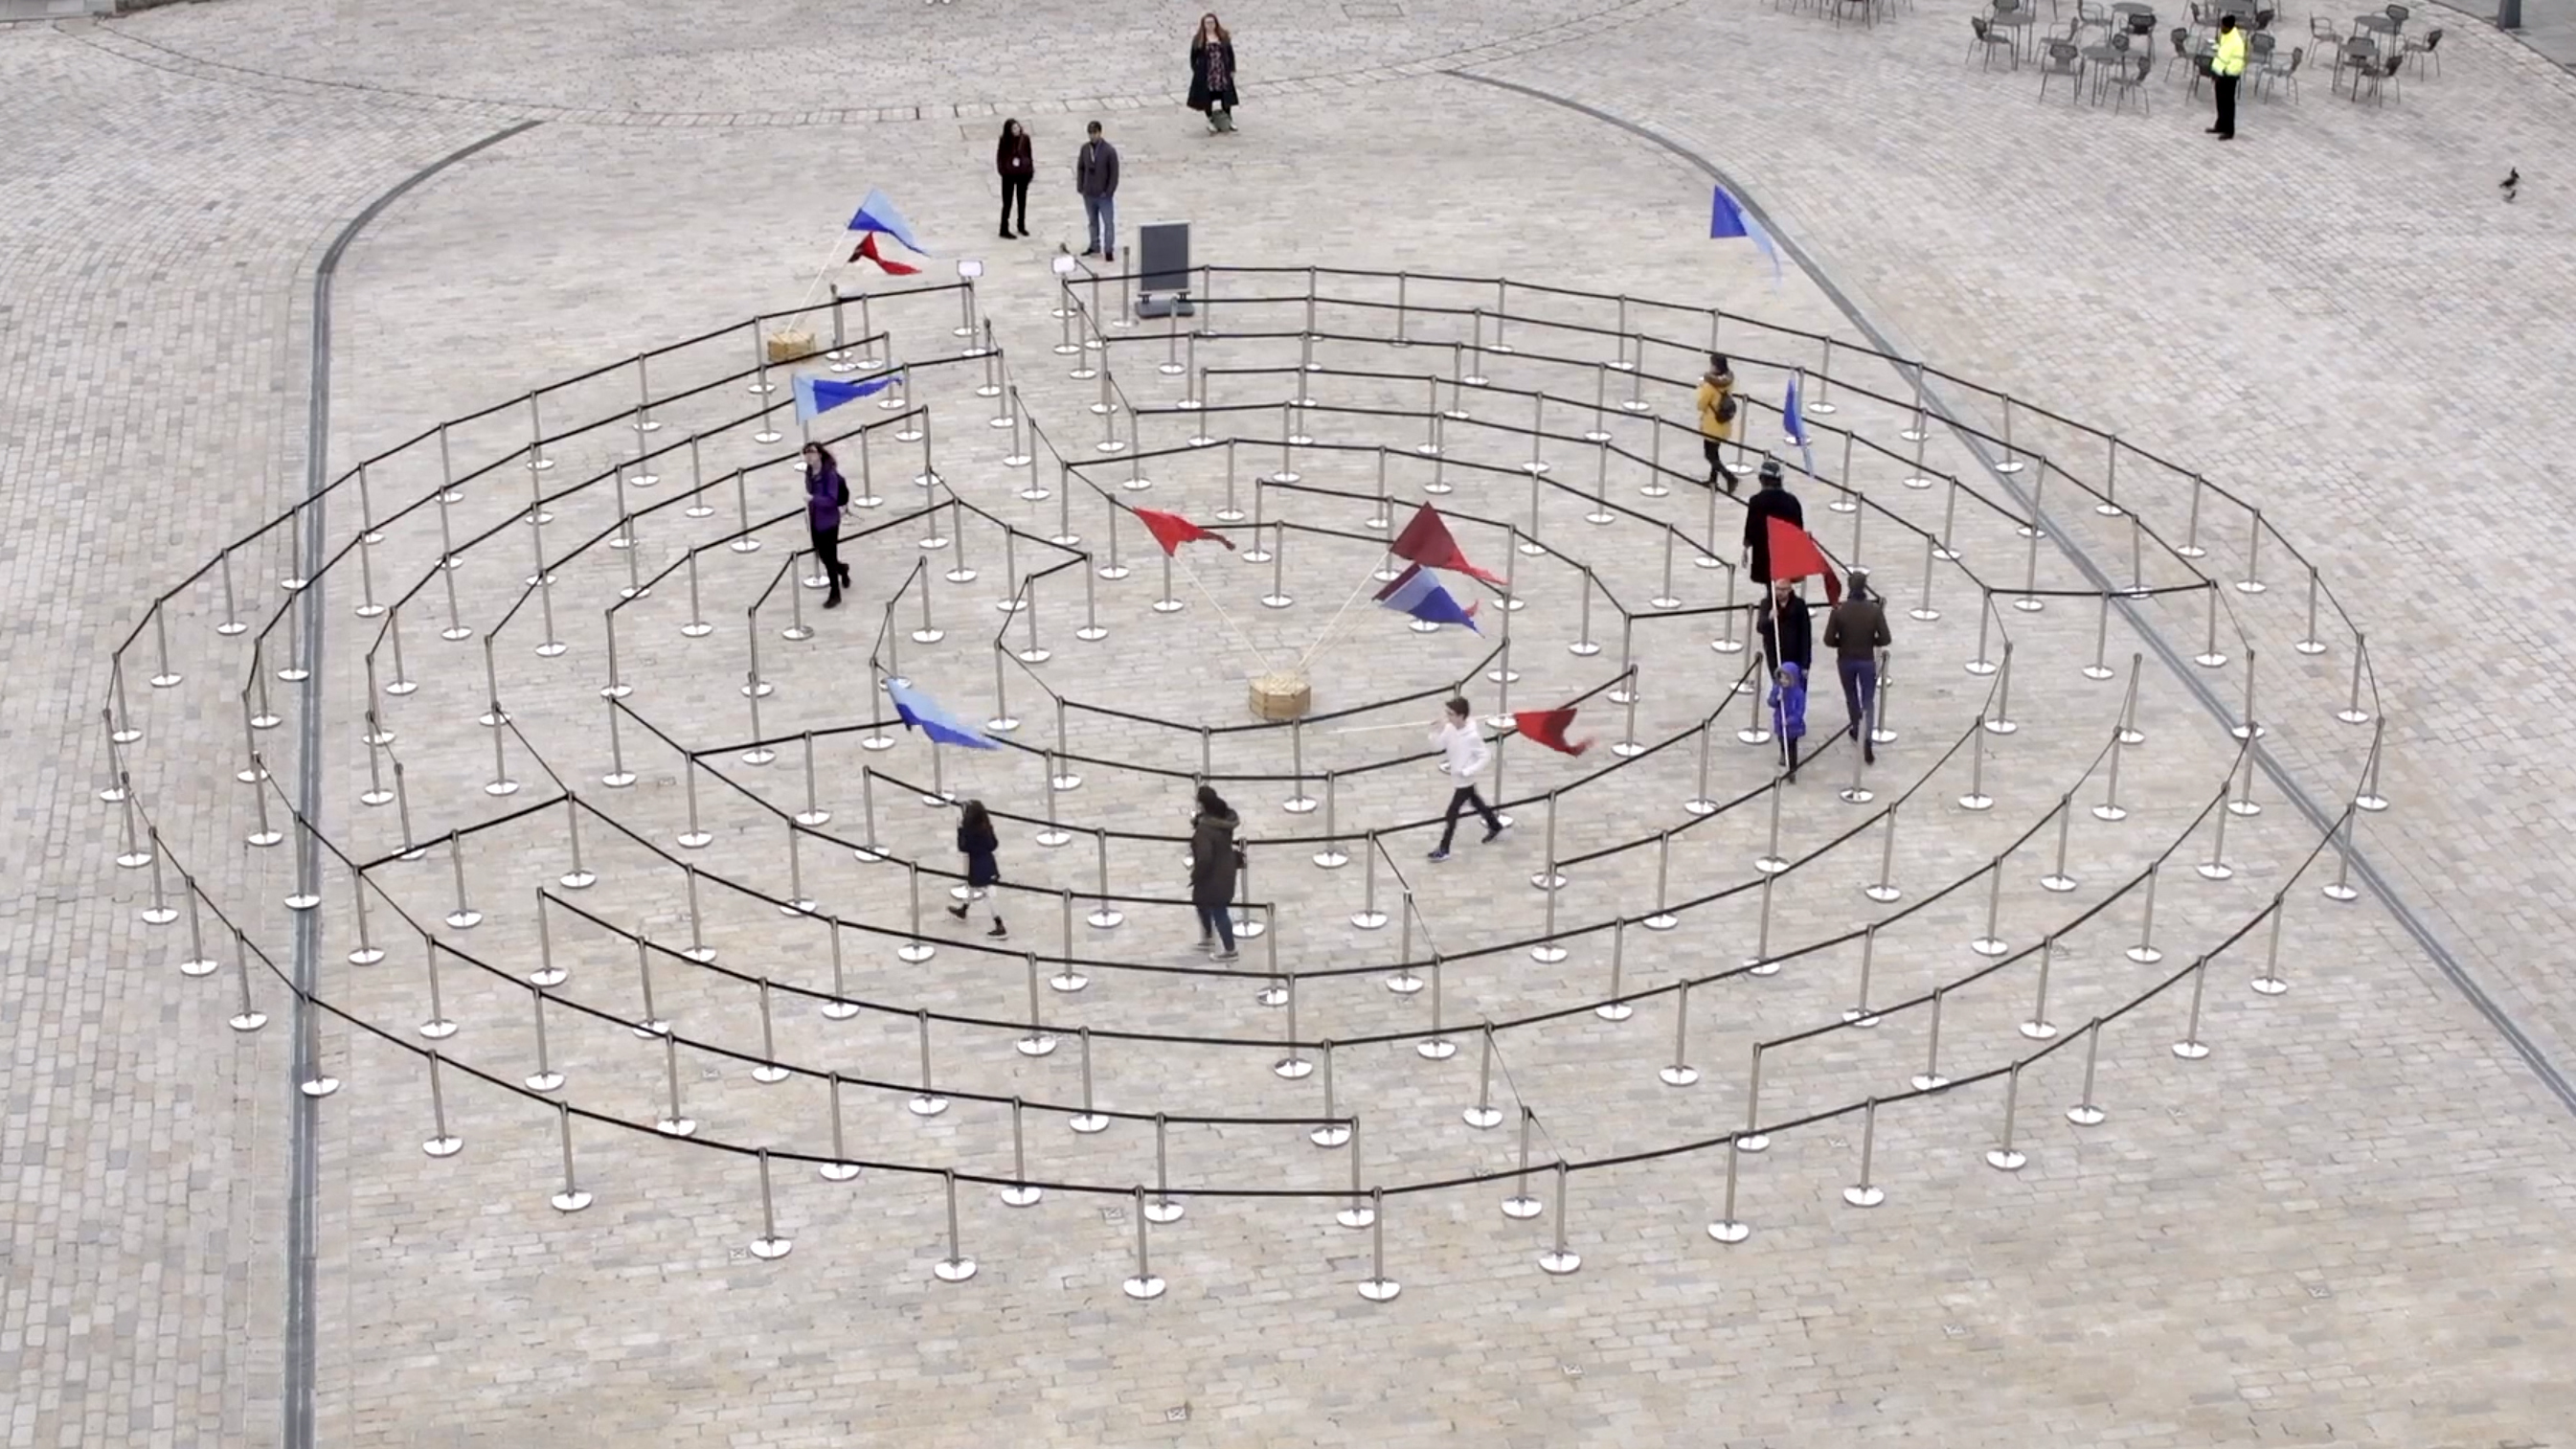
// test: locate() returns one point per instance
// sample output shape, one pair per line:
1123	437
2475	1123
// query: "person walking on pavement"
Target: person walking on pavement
1856	631
1463	755
2226	68
1772	500
1716	398
1789	715
1212	73
1786	628
1212	862
1016	163
1095	175
825	496
977	842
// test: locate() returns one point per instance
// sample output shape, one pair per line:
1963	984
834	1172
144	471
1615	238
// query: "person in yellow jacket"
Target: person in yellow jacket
1717	418
2226	67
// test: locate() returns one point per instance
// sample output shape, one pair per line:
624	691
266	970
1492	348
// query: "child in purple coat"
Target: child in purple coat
1789	715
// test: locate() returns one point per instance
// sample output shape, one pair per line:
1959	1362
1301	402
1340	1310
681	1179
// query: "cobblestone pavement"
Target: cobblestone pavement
2335	1230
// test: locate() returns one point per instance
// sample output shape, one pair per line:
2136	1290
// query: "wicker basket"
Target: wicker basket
1285	694
790	344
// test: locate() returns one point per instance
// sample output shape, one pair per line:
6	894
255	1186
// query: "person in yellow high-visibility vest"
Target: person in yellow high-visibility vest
2226	67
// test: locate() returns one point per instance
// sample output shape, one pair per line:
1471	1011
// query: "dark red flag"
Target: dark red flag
1794	555
1172	530
867	251
1547	727
1427	541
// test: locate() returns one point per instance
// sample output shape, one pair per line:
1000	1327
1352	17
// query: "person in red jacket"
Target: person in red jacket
1016	164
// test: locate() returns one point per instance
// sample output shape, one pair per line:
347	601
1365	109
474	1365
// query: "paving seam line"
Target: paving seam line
303	1161
2551	1077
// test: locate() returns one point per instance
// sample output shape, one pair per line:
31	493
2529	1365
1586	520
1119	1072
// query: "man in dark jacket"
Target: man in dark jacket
1772	500
1788	632
1856	631
1095	175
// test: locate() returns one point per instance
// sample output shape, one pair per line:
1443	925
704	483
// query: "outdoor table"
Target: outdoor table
2019	25
2099	59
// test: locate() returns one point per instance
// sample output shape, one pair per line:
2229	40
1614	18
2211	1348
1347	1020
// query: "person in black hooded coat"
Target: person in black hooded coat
1772	500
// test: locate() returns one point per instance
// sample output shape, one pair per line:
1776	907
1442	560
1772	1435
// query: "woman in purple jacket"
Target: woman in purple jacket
825	496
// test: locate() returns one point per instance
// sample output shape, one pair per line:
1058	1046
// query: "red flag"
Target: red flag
1794	555
1426	541
868	252
1172	530
1547	727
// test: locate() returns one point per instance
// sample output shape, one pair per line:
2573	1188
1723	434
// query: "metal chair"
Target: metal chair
2355	55
2322	36
2400	14
2384	72
2062	58
2089	15
2288	72
1988	42
2130	79
2428	48
2259	47
2181	39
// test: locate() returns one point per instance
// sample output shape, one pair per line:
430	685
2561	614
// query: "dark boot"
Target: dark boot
998	928
958	910
833	600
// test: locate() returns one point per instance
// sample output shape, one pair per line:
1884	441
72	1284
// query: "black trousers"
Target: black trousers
1459	800
1015	192
827	552
1718	477
2225	85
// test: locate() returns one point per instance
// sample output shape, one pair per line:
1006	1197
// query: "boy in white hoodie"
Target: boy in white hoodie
1465	754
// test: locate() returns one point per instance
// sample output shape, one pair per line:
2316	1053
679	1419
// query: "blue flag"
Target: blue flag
878	213
1793	420
1728	218
1417	591
920	712
816	396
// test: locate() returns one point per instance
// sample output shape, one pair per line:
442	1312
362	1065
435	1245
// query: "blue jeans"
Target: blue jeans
1860	692
1217	921
1101	214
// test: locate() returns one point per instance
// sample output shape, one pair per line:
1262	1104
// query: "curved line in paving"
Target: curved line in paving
180	62
302	1153
2548	1071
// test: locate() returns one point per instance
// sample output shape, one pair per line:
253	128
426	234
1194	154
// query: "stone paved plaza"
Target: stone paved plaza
2342	1225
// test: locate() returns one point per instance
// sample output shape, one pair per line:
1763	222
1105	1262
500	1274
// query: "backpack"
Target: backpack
1726	408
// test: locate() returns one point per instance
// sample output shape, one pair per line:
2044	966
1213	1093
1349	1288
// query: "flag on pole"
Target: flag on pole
878	214
1547	727
1793	420
1794	555
867	252
1172	530
1417	591
920	712
1426	540
1727	218
816	396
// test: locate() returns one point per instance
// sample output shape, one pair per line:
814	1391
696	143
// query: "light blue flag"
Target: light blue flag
1728	218
1793	420
878	213
919	712
816	396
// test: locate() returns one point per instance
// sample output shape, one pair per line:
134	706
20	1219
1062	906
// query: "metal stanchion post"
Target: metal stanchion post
1681	1073
1930	1078
2145	952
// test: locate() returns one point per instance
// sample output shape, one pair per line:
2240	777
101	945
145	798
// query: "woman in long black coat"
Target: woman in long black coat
1212	73
1212	852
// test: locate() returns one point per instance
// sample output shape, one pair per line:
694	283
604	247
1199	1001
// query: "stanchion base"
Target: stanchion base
2144	955
261	838
2039	1030
248	1021
1864	1197
1274	995
700	954
1614	1011
550	976
1087	1123
1559	1263
2191	1051
2309	646
2215	870
1976	802
1761	966
1856	794
1380	1290
1368	920
1930	1082
2084	1114
1753	1142
547	1081
2341	892
2211	660
569	1202
1773	865
366	956
464	920
769	1074
443	1146
438	1028
2249	731
1404	983
2250	586
1858	1017
319	1086
1148	1286
953	1270
651	1028
1989	946
1437	1049
1700	806
1331	859
771	1249
1678	1076
1053	838
1293	1069
2353	716
1068	982
1660	921
502	787
2246	809
1164	1210
926	1104
1547	954
2110	812
1331	1134
1982	667
2002	1160
1729	1232
1753	737
1882	893
2030	603
1482	1117
2270	985
1104	920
